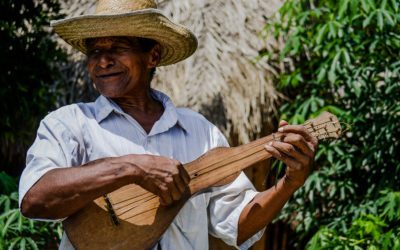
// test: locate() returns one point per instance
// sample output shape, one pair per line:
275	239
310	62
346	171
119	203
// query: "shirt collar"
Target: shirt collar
105	106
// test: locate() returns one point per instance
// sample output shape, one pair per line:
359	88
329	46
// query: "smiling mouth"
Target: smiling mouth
109	75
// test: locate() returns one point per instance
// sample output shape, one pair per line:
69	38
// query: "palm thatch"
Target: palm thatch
223	79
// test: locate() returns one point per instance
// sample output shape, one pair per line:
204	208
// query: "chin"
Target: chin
109	91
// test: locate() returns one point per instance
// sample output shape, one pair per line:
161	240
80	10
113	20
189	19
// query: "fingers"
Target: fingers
296	149
288	154
176	182
164	177
164	194
300	143
184	174
182	179
301	130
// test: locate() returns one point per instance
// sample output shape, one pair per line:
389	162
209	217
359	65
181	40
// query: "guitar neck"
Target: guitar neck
221	165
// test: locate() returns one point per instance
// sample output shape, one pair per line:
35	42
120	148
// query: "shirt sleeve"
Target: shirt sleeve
226	204
54	147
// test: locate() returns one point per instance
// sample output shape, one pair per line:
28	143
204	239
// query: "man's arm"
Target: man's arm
63	191
297	151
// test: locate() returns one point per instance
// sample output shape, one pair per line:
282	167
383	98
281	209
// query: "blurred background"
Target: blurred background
258	61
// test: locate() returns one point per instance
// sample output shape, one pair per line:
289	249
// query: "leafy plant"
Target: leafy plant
28	70
18	232
342	57
377	230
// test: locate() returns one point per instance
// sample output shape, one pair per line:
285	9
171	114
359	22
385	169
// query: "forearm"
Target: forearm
263	209
61	192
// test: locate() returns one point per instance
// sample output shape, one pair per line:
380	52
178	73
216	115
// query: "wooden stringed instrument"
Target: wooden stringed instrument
132	218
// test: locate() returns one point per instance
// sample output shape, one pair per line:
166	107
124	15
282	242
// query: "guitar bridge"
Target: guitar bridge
111	211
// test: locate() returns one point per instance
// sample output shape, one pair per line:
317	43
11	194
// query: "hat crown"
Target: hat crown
104	7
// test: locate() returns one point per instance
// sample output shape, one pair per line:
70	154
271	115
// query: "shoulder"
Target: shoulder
69	116
72	111
197	124
192	118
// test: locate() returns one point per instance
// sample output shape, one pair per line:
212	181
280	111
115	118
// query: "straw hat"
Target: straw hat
139	18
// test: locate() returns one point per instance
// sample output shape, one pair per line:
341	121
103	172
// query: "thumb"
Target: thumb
283	123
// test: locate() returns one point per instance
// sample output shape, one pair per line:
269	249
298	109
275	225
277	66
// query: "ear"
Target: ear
154	56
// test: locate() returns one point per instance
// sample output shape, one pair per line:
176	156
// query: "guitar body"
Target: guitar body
141	224
142	220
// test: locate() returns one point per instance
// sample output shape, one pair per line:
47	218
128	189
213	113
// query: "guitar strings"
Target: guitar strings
153	196
148	210
213	167
240	155
124	212
145	196
230	160
224	164
324	135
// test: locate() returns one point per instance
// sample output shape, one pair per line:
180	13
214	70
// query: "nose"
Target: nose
105	60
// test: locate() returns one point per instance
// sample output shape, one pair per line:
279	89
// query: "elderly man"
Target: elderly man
134	134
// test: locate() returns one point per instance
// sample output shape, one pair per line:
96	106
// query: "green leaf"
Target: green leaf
372	4
365	5
321	75
10	219
368	20
383	4
346	56
379	18
395	5
22	244
332	71
388	18
32	244
321	35
344	4
13	242
20	222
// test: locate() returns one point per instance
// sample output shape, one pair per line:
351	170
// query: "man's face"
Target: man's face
118	66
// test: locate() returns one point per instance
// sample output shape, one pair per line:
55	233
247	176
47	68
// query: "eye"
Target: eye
121	49
94	52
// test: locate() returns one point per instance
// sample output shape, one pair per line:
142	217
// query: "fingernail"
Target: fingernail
269	148
280	129
270	143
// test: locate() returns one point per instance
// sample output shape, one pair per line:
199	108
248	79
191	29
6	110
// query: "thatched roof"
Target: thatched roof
223	79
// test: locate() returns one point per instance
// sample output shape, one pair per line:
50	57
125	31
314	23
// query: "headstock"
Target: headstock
324	126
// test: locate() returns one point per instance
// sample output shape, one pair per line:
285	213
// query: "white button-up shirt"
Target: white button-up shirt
76	134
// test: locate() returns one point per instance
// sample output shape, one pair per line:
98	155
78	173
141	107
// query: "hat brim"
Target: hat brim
177	41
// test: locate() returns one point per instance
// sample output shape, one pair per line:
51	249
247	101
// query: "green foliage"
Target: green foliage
17	232
345	58
8	184
28	69
375	230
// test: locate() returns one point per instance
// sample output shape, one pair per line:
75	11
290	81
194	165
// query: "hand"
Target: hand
296	150
162	176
